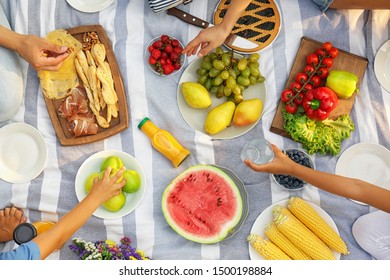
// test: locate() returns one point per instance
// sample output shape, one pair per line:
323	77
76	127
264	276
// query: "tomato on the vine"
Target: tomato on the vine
309	70
295	87
299	98
315	81
327	46
307	87
334	52
291	107
287	94
312	59
328	62
323	72
301	78
321	52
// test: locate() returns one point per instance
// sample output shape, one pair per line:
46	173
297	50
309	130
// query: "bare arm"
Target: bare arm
360	4
339	185
101	191
214	36
39	52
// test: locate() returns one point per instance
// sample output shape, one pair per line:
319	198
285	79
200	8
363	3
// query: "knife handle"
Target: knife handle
184	16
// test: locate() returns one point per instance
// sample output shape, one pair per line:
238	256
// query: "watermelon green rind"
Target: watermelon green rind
233	197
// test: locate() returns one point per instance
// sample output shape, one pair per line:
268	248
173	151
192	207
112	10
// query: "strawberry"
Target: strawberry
174	57
152	60
168	49
164	38
156	54
164	55
178	50
175	43
168	69
177	65
150	48
157	45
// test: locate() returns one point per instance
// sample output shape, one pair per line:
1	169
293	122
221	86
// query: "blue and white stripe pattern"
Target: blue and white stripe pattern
130	25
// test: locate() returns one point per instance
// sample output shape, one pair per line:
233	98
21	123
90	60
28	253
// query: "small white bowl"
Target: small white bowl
183	58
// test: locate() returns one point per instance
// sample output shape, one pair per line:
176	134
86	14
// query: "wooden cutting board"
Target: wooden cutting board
117	124
344	61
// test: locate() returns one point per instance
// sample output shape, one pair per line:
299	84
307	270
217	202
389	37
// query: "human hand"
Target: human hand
207	39
42	54
106	187
281	164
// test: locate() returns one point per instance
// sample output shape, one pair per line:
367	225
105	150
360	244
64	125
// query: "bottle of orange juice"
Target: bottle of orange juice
164	142
26	231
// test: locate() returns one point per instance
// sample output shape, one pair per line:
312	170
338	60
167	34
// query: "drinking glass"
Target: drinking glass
258	151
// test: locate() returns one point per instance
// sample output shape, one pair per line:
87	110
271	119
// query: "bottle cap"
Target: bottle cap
24	233
143	122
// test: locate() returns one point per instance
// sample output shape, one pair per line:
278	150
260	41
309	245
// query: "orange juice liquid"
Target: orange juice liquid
43	226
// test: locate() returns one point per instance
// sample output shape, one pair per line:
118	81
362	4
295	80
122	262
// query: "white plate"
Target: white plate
195	118
23	153
366	161
266	218
90	6
382	65
92	164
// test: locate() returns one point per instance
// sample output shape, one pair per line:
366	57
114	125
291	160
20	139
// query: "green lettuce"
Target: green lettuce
318	137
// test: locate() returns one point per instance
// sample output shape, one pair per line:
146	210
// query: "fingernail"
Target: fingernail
63	49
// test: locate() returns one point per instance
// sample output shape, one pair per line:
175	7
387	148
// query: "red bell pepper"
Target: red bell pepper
319	102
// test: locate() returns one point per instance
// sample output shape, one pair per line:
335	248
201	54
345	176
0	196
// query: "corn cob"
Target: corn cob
284	243
302	237
309	217
266	248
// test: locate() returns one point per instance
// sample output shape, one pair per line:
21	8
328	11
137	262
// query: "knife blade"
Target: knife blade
232	40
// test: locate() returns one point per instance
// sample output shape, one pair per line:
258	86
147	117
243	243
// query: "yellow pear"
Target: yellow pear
219	117
196	95
247	112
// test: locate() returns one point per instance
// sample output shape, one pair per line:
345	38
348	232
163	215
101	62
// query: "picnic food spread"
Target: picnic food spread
196	186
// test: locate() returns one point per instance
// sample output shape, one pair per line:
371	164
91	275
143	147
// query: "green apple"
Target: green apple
133	181
115	203
113	161
89	182
112	173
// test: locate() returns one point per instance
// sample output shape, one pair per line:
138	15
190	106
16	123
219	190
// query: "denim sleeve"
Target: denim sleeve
26	251
323	4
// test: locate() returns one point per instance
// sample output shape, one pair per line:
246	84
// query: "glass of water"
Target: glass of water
258	151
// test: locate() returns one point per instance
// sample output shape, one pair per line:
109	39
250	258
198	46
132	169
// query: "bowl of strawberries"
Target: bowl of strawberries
163	55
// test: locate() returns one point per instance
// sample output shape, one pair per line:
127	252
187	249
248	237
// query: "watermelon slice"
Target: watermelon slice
203	204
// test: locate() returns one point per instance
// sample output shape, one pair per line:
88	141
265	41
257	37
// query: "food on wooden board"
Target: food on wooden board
343	83
58	84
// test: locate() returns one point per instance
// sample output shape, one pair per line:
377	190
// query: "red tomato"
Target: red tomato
327	46
301	78
287	94
299	98
309	70
328	62
334	52
291	108
312	59
323	72
321	52
315	81
295	86
307	87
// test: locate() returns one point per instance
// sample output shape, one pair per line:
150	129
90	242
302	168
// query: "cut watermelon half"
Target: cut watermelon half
203	204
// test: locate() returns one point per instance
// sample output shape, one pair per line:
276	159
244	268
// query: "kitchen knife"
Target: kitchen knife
233	40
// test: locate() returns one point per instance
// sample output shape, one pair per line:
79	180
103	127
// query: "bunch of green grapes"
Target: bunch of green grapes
223	74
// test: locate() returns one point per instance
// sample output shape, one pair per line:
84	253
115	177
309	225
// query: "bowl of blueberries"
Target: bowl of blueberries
290	183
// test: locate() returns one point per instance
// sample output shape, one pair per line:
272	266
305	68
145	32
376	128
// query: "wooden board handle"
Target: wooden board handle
184	16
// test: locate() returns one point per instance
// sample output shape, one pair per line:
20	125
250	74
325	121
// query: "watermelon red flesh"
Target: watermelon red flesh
203	204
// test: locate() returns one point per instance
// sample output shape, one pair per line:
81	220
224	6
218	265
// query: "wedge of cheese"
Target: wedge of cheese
58	84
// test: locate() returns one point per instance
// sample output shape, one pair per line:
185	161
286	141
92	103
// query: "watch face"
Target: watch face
24	233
